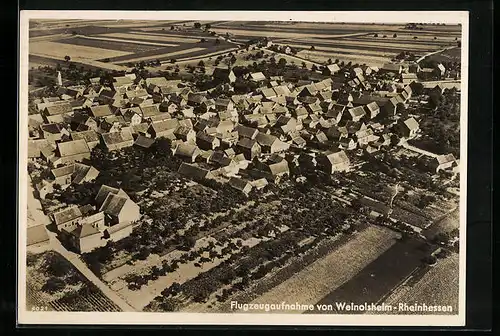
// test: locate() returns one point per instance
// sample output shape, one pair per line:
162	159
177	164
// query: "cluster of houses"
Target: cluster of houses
246	140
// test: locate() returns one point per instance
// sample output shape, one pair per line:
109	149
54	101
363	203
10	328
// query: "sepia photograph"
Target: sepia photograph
242	168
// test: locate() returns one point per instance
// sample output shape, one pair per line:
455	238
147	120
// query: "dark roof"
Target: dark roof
191	170
117	137
113	204
67	214
151	110
143	141
88	136
246	143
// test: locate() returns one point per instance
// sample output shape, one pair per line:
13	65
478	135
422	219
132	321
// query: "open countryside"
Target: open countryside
180	166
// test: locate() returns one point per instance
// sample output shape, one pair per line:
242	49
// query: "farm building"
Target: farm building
119	210
118	140
248	147
67	218
90	136
443	162
241	185
164	128
194	172
101	111
270	143
143	141
186	150
333	162
408	128
223	75
72	151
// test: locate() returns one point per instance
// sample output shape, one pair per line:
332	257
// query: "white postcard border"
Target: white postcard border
143	318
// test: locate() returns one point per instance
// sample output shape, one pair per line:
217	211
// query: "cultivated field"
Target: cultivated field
333	270
115	44
438	286
444	225
148	37
375	282
60	50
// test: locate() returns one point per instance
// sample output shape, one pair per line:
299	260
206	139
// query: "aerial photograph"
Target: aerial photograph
243	167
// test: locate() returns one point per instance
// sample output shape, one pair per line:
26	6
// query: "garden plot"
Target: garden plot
142	297
149	37
318	279
60	50
346	50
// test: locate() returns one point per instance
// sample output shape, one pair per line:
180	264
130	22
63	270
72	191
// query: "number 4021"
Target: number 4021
39	308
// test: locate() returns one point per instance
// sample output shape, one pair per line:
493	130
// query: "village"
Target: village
250	131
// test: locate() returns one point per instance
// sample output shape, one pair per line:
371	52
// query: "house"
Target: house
37	235
67	218
187	150
55	113
100	111
206	141
408	128
154	84
150	111
118	140
372	110
408	78
270	143
35	147
185	133
164	128
194	172
355	114
140	93
333	162
72	151
122	82
140	129
287	124
335	112
365	136
241	185
83	173
223	75
274	168
443	162
84	238
143	141
119	209
248	147
257	77
391	67
247	132
347	143
53	132
91	137
195	99
331	69
63	175
259	184
300	113
133	115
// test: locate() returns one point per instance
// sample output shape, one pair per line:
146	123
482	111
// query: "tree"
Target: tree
207	26
395	35
172	27
201	64
314	67
173	60
203	40
375	35
312	48
53	285
67	58
217	41
197	25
